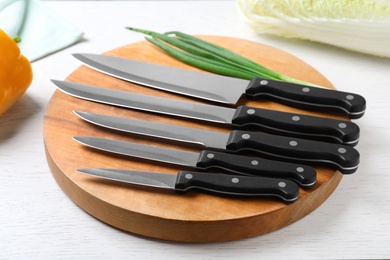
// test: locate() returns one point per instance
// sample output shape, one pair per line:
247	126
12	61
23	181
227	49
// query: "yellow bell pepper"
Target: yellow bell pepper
15	72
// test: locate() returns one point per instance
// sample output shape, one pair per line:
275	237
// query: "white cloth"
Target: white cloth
42	31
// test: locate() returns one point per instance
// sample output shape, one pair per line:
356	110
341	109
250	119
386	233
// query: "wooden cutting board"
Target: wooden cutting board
162	214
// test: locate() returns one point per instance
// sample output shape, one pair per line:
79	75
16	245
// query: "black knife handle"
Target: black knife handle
341	157
302	126
308	97
303	175
234	185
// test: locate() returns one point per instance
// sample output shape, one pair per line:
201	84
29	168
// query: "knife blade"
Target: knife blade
337	156
290	124
303	175
222	184
225	89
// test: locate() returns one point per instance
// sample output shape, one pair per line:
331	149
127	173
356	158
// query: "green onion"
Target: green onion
229	55
211	57
203	63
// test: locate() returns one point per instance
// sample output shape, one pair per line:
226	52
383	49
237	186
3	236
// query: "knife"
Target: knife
225	89
305	176
222	184
341	157
310	127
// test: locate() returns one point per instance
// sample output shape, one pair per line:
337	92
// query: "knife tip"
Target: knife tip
60	84
85	115
79	113
76	54
81	56
55	81
78	138
81	170
87	171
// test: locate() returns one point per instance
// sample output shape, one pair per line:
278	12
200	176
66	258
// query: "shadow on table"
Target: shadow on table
16	117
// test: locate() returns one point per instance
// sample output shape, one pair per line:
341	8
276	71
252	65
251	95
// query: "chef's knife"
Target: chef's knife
222	184
304	175
303	126
225	89
344	158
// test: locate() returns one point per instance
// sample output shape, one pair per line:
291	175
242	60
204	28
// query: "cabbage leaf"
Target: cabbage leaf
358	25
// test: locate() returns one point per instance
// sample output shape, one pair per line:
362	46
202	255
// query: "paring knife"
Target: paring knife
303	175
225	89
290	124
222	184
341	157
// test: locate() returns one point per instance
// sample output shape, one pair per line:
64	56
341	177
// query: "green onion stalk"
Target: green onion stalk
211	57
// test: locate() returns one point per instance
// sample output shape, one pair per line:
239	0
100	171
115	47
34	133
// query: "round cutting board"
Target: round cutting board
164	214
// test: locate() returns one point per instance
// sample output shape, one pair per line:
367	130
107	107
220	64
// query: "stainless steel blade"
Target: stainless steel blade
191	83
151	179
149	152
147	103
178	133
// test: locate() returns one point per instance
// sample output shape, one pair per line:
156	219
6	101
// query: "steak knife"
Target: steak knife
222	184
303	175
290	124
341	157
225	89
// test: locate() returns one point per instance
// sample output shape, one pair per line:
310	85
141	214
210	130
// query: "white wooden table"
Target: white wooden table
38	221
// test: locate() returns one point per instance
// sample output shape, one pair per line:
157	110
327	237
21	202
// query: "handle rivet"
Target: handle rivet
282	184
246	136
342	125
264	82
210	156
189	176
306	89
300	169
342	150
293	143
250	111
235	180
350	97
254	162
296	118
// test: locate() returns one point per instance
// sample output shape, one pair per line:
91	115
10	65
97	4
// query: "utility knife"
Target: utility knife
222	184
224	89
275	122
303	175
341	157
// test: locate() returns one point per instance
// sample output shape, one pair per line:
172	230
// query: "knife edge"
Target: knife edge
222	184
184	134
185	82
272	146
206	160
165	155
275	122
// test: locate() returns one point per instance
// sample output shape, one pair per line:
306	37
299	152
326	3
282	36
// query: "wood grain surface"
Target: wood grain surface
195	216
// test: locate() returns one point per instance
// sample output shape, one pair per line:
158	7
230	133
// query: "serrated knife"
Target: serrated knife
290	124
221	184
225	89
340	157
303	175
